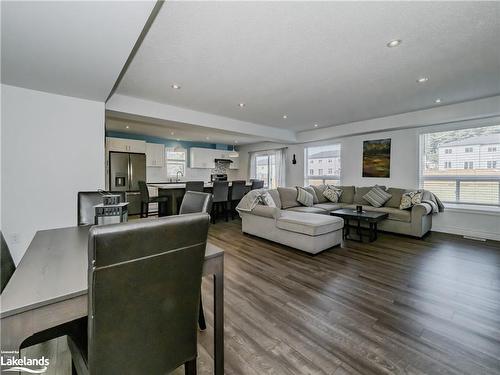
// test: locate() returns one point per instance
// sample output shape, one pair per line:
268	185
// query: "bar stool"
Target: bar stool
220	199
146	200
237	192
257	184
190	186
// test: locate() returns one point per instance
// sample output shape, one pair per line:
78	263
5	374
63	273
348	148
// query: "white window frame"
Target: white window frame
466	124
168	161
308	176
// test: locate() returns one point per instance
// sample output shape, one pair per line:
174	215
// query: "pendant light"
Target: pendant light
234	153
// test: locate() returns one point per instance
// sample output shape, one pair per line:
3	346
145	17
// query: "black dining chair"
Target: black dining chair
144	292
194	202
220	199
86	200
191	186
146	200
7	270
257	184
237	192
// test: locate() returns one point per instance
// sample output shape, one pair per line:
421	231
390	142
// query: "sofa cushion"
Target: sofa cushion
266	211
311	190
311	210
329	206
288	197
319	189
360	192
332	194
377	197
310	224
395	200
276	197
394	213
304	197
347	194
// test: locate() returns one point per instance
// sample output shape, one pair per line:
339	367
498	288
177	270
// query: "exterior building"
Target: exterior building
324	163
481	152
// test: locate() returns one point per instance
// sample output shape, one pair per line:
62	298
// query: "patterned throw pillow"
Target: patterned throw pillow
266	200
377	196
408	200
304	197
332	194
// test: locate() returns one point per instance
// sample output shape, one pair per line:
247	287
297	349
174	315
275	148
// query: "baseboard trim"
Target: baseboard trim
465	232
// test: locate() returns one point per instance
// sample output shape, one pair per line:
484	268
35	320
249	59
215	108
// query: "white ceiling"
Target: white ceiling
184	132
74	48
318	62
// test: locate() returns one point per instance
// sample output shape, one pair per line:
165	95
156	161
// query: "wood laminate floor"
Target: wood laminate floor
396	306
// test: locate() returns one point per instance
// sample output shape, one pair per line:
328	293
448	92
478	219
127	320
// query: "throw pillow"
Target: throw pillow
304	197
408	200
319	189
311	191
288	197
377	197
266	199
332	194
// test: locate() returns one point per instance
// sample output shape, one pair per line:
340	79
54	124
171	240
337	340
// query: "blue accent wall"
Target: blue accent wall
167	142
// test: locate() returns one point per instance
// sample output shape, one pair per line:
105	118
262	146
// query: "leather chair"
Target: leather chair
146	200
191	186
7	270
191	203
86	201
257	184
219	199
237	192
144	290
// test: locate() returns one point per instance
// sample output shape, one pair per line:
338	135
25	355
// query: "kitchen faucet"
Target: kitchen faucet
177	179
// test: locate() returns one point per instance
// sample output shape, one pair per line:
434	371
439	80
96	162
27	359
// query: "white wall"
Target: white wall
52	147
404	173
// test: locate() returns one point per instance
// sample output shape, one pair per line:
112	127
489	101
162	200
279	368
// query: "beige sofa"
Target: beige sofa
295	225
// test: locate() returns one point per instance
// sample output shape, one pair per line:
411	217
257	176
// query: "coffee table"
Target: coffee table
370	217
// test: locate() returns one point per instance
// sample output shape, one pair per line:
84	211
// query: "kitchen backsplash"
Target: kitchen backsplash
155	174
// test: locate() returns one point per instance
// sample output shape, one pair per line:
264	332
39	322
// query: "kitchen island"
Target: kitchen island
175	191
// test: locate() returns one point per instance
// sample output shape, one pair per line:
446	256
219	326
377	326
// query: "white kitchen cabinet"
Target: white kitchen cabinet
202	157
235	164
125	145
155	155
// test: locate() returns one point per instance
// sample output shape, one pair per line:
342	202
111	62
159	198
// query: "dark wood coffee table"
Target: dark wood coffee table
371	217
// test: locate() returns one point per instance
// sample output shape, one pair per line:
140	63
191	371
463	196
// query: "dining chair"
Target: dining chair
146	200
190	186
220	199
237	192
144	290
191	203
257	184
86	201
7	270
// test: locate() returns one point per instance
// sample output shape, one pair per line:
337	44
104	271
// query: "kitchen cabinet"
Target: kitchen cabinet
125	145
155	155
205	158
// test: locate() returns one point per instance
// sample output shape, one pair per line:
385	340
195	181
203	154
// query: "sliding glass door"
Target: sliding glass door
265	169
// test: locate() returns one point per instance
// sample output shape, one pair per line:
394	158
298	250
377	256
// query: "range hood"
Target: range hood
223	160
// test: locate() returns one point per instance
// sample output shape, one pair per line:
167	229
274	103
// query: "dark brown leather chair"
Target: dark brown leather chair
220	198
257	184
144	290
191	203
237	192
86	201
146	200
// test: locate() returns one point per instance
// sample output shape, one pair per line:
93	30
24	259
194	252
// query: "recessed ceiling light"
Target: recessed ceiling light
438	100
177	139
315	125
422	79
285	117
176	86
207	138
127	127
242	105
394	43
235	141
172	133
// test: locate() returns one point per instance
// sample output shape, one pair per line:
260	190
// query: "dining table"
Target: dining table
50	287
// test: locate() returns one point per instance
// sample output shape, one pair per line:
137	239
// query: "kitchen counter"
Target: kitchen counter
182	185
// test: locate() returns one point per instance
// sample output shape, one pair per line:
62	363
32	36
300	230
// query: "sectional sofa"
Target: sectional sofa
312	229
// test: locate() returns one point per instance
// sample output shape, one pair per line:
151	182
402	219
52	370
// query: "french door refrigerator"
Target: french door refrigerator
126	170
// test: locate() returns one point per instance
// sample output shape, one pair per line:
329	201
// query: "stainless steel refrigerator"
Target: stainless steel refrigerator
125	172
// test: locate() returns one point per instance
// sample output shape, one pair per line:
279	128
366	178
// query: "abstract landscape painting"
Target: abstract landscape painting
377	158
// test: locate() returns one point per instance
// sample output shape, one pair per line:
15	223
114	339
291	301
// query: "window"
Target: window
317	154
269	166
175	160
492	149
478	182
320	161
448	151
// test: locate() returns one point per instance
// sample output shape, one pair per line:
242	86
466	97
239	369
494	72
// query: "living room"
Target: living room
250	187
